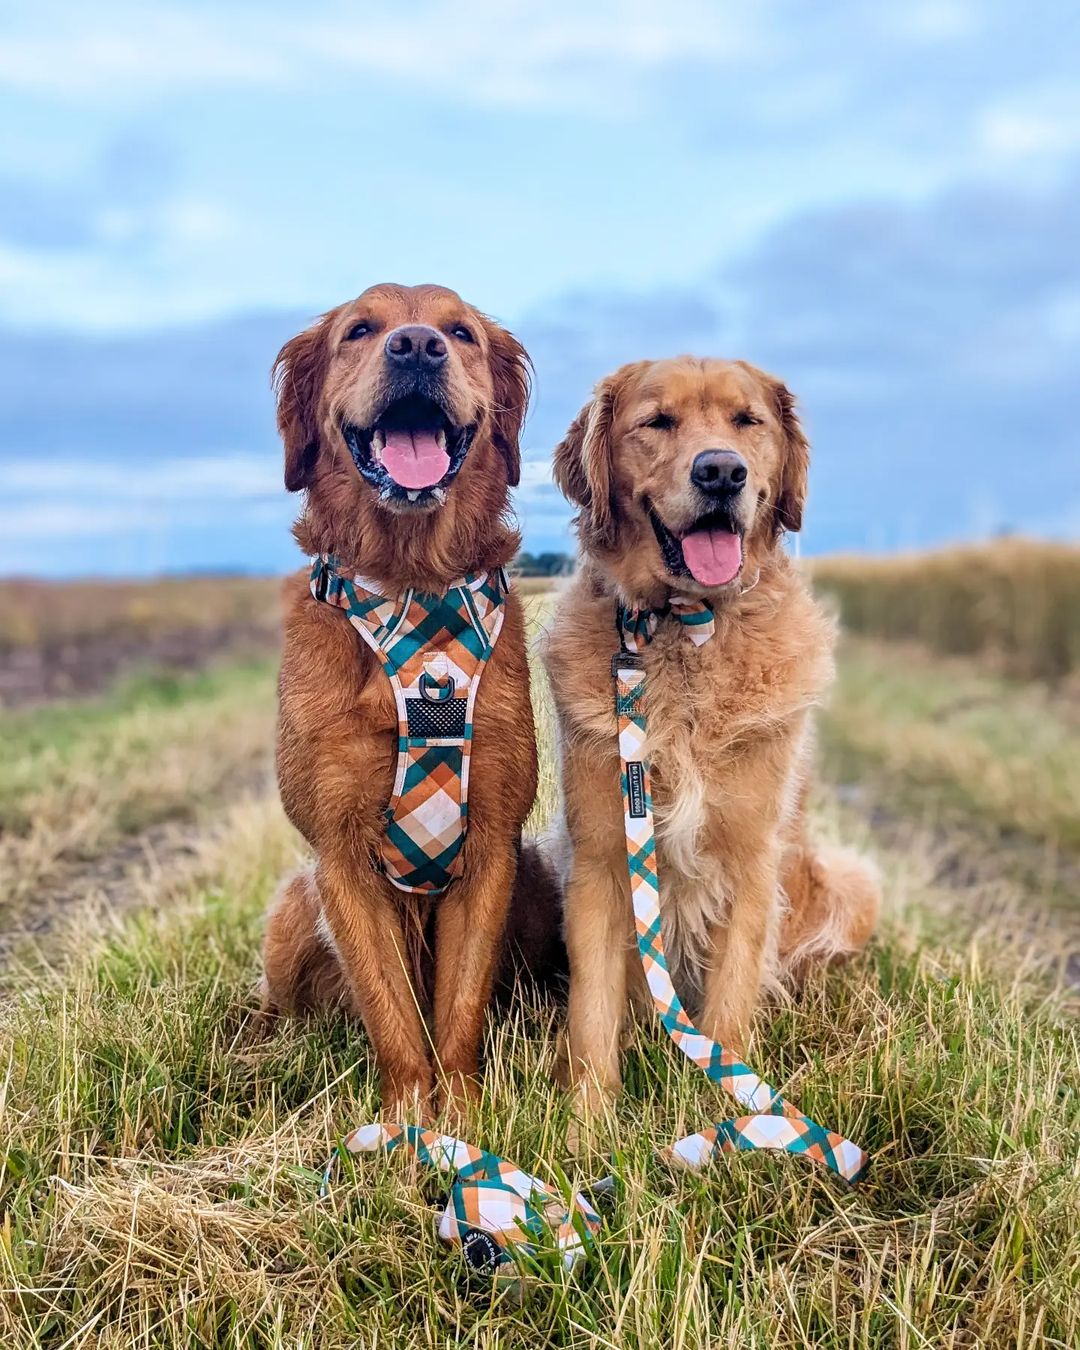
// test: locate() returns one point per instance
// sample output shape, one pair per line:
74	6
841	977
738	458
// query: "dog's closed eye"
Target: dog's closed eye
660	421
745	418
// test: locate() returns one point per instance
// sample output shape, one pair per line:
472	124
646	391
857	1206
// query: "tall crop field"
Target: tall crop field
1014	601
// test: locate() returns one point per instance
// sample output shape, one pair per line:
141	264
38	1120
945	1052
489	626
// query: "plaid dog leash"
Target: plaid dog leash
433	650
772	1123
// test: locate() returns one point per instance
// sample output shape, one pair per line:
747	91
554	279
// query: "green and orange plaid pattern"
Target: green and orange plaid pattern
490	1196
433	649
772	1122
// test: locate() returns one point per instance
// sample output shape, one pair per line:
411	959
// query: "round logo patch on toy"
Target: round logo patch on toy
481	1251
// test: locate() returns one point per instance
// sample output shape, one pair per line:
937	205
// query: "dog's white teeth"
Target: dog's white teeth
414	496
440	439
440	495
378	444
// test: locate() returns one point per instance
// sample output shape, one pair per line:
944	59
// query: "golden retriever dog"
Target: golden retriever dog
400	413
688	473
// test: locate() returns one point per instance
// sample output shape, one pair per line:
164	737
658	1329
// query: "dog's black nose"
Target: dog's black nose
718	472
415	345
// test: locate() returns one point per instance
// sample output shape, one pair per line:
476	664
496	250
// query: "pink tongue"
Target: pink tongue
414	459
713	556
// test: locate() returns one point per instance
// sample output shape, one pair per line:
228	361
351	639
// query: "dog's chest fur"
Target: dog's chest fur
727	729
709	710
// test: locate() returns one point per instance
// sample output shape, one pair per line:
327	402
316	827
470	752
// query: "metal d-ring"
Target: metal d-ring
436	691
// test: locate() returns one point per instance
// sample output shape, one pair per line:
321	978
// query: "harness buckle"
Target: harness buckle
626	660
322	585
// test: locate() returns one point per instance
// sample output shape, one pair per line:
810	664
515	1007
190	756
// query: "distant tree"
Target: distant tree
553	564
543	564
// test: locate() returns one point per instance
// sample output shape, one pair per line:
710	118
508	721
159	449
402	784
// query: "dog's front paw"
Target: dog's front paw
459	1094
593	1116
408	1104
727	1028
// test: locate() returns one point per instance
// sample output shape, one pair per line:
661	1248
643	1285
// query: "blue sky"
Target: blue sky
880	202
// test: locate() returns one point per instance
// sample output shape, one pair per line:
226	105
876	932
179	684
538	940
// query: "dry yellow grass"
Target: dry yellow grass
159	1155
951	735
47	614
44	614
1015	602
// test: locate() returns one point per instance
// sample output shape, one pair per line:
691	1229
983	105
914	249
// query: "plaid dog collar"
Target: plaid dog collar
774	1123
637	627
433	649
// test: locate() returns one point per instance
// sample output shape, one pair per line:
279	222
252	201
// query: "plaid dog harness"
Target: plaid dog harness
772	1122
433	649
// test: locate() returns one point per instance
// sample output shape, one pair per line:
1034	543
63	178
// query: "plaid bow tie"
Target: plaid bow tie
637	627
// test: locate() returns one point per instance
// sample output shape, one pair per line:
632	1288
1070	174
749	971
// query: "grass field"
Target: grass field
159	1156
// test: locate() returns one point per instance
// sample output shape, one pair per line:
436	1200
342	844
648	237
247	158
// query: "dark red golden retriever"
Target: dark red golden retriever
400	413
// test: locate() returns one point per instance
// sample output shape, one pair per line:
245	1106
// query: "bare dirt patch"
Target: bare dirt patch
89	664
136	872
119	880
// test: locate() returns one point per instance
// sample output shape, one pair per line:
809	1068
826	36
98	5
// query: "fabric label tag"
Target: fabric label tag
635	777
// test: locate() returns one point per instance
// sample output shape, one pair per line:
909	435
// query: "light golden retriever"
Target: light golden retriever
687	474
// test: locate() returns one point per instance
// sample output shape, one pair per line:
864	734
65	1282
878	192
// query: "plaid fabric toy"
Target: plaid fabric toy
773	1123
433	649
494	1207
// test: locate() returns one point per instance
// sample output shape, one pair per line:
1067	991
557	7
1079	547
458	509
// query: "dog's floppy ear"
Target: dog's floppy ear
511	372
298	375
582	461
791	489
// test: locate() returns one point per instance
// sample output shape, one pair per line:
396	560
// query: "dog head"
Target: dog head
400	413
687	473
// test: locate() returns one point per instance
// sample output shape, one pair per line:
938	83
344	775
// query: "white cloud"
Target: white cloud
931	20
536	473
1044	124
236	477
144	262
74	53
50	519
486	51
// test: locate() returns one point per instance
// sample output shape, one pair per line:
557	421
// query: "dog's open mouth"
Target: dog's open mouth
711	551
412	451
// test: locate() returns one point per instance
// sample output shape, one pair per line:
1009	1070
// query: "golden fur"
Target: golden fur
339	932
746	897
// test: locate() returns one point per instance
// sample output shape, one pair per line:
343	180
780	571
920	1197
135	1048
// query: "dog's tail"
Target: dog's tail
834	896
